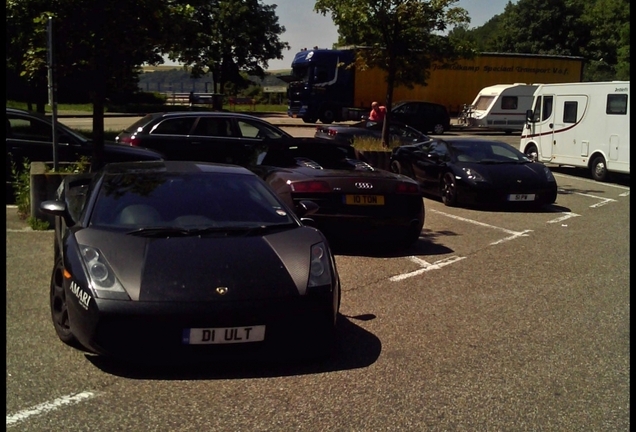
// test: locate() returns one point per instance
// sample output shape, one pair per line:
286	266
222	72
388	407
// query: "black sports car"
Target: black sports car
474	171
400	133
356	202
186	259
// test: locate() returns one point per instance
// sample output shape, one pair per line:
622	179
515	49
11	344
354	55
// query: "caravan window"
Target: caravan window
616	104
509	102
483	102
569	112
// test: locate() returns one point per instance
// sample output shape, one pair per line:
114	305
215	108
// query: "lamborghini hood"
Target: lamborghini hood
192	268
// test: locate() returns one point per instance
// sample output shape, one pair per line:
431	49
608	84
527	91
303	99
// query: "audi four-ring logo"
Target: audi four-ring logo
364	185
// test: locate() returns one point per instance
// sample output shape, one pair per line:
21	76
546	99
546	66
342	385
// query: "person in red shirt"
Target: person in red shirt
377	112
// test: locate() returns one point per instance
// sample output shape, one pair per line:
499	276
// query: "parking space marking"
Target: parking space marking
48	406
426	266
566	215
624	194
591	181
513	234
598	204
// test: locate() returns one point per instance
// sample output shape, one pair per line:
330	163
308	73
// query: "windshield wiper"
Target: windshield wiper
223	230
159	231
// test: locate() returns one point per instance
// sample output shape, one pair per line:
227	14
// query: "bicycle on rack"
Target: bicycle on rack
465	116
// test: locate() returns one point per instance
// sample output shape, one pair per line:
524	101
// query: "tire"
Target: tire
598	167
532	153
438	129
410	238
328	116
397	167
448	190
59	308
309	120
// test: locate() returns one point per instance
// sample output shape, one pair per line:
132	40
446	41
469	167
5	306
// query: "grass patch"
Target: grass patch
373	144
21	182
151	108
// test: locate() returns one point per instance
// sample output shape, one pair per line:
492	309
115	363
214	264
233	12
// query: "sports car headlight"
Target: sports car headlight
319	270
103	279
548	174
473	175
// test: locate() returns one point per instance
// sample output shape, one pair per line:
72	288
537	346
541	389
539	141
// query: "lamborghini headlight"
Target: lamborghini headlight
473	175
320	266
549	174
101	275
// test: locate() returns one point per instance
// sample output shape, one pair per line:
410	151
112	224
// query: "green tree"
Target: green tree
108	41
608	47
402	37
542	27
596	30
225	37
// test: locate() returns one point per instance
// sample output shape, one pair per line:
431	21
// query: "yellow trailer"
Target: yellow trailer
457	83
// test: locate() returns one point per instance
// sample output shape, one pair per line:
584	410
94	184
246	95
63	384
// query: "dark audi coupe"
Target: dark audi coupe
184	259
357	203
475	171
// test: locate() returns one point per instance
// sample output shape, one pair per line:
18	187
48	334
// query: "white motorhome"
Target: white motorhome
580	124
501	107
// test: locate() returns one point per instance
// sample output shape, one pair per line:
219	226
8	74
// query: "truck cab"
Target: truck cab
320	85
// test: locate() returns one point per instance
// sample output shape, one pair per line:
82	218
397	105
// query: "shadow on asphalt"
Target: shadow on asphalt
355	348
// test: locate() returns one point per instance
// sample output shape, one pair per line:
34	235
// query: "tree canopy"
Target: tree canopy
597	30
109	41
226	37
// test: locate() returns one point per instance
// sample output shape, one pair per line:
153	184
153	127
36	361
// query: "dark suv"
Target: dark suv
221	137
30	138
427	117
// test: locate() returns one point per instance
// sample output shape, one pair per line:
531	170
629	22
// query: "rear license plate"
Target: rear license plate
521	197
364	199
223	335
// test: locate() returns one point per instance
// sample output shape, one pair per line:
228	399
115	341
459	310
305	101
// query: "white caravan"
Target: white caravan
501	107
580	124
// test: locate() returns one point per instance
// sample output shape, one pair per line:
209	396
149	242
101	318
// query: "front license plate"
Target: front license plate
364	199
521	197
223	335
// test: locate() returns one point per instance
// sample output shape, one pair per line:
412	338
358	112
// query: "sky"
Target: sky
305	28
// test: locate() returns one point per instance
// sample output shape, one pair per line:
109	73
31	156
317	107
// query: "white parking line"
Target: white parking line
591	181
513	234
425	267
566	215
48	406
603	200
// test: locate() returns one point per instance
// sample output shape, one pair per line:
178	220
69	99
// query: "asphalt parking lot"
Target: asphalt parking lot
494	320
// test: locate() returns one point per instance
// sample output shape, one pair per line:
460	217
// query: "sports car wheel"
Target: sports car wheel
449	190
532	153
599	168
59	309
398	168
438	129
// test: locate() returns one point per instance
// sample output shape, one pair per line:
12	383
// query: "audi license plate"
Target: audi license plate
223	335
521	197
364	199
